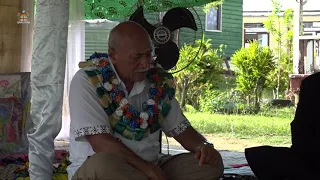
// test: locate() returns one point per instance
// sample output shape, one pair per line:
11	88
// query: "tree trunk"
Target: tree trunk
301	32
184	93
301	29
279	60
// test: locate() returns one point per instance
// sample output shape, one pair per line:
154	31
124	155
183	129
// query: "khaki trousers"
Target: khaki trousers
105	166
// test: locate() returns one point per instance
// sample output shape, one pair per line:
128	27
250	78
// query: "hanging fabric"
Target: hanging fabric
75	54
47	83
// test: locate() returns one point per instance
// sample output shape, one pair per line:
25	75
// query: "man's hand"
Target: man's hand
155	173
206	154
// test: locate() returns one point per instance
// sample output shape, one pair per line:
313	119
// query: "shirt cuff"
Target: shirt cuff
180	128
91	130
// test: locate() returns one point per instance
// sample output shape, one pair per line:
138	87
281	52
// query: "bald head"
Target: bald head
125	33
130	51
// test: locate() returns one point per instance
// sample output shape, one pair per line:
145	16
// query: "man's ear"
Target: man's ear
112	55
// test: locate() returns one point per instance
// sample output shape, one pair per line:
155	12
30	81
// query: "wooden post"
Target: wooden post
296	33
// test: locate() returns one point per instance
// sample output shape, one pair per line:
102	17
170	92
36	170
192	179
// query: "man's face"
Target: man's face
132	59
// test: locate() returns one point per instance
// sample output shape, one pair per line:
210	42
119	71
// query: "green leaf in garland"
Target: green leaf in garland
97	71
169	76
108	110
112	106
101	91
139	134
154	127
119	127
171	92
91	73
165	109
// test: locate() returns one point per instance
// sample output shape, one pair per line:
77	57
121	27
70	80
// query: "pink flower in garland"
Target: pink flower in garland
160	90
150	121
125	107
157	78
128	114
140	120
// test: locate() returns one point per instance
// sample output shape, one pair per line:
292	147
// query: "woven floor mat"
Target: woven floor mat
7	172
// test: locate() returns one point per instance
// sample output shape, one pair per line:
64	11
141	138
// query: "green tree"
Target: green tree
254	65
280	25
204	71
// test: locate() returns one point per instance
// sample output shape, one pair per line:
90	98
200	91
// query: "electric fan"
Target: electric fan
176	27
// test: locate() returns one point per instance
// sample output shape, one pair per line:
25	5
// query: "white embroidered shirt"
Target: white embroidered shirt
89	118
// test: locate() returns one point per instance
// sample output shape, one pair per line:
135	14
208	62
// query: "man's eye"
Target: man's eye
138	57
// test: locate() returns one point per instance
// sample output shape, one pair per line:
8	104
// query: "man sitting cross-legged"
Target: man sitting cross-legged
117	110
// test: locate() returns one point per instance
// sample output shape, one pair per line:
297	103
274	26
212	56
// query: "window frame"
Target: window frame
219	8
256	33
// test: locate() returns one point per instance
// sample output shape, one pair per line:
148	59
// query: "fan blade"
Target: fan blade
167	55
138	17
179	17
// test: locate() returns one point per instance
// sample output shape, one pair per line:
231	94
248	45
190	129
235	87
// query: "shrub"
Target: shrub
254	65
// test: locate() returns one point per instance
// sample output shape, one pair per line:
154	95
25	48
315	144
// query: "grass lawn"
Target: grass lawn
235	132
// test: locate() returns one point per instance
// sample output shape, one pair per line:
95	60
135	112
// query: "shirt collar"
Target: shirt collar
137	86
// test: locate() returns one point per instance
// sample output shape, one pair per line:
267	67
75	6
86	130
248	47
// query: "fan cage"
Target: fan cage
185	35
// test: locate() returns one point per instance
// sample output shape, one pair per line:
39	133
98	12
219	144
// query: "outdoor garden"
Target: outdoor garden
234	107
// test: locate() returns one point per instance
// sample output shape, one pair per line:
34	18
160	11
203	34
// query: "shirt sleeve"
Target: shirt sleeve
175	122
86	112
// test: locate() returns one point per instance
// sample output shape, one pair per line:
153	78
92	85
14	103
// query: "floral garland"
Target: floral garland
123	117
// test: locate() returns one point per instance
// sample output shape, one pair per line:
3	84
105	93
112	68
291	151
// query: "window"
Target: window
253	25
315	24
256	31
262	38
213	19
97	35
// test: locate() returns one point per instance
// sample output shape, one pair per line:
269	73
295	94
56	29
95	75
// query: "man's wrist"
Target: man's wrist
204	143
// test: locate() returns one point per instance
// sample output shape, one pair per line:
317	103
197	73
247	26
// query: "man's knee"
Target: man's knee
215	170
107	166
105	159
218	166
185	166
97	165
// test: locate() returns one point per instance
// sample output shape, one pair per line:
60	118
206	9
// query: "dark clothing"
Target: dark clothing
301	161
305	128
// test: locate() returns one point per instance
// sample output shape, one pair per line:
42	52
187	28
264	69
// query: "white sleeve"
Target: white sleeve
175	122
86	113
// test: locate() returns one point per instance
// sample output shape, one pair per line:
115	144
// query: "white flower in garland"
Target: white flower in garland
108	86
144	116
123	102
119	111
122	113
144	125
115	81
95	61
150	102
